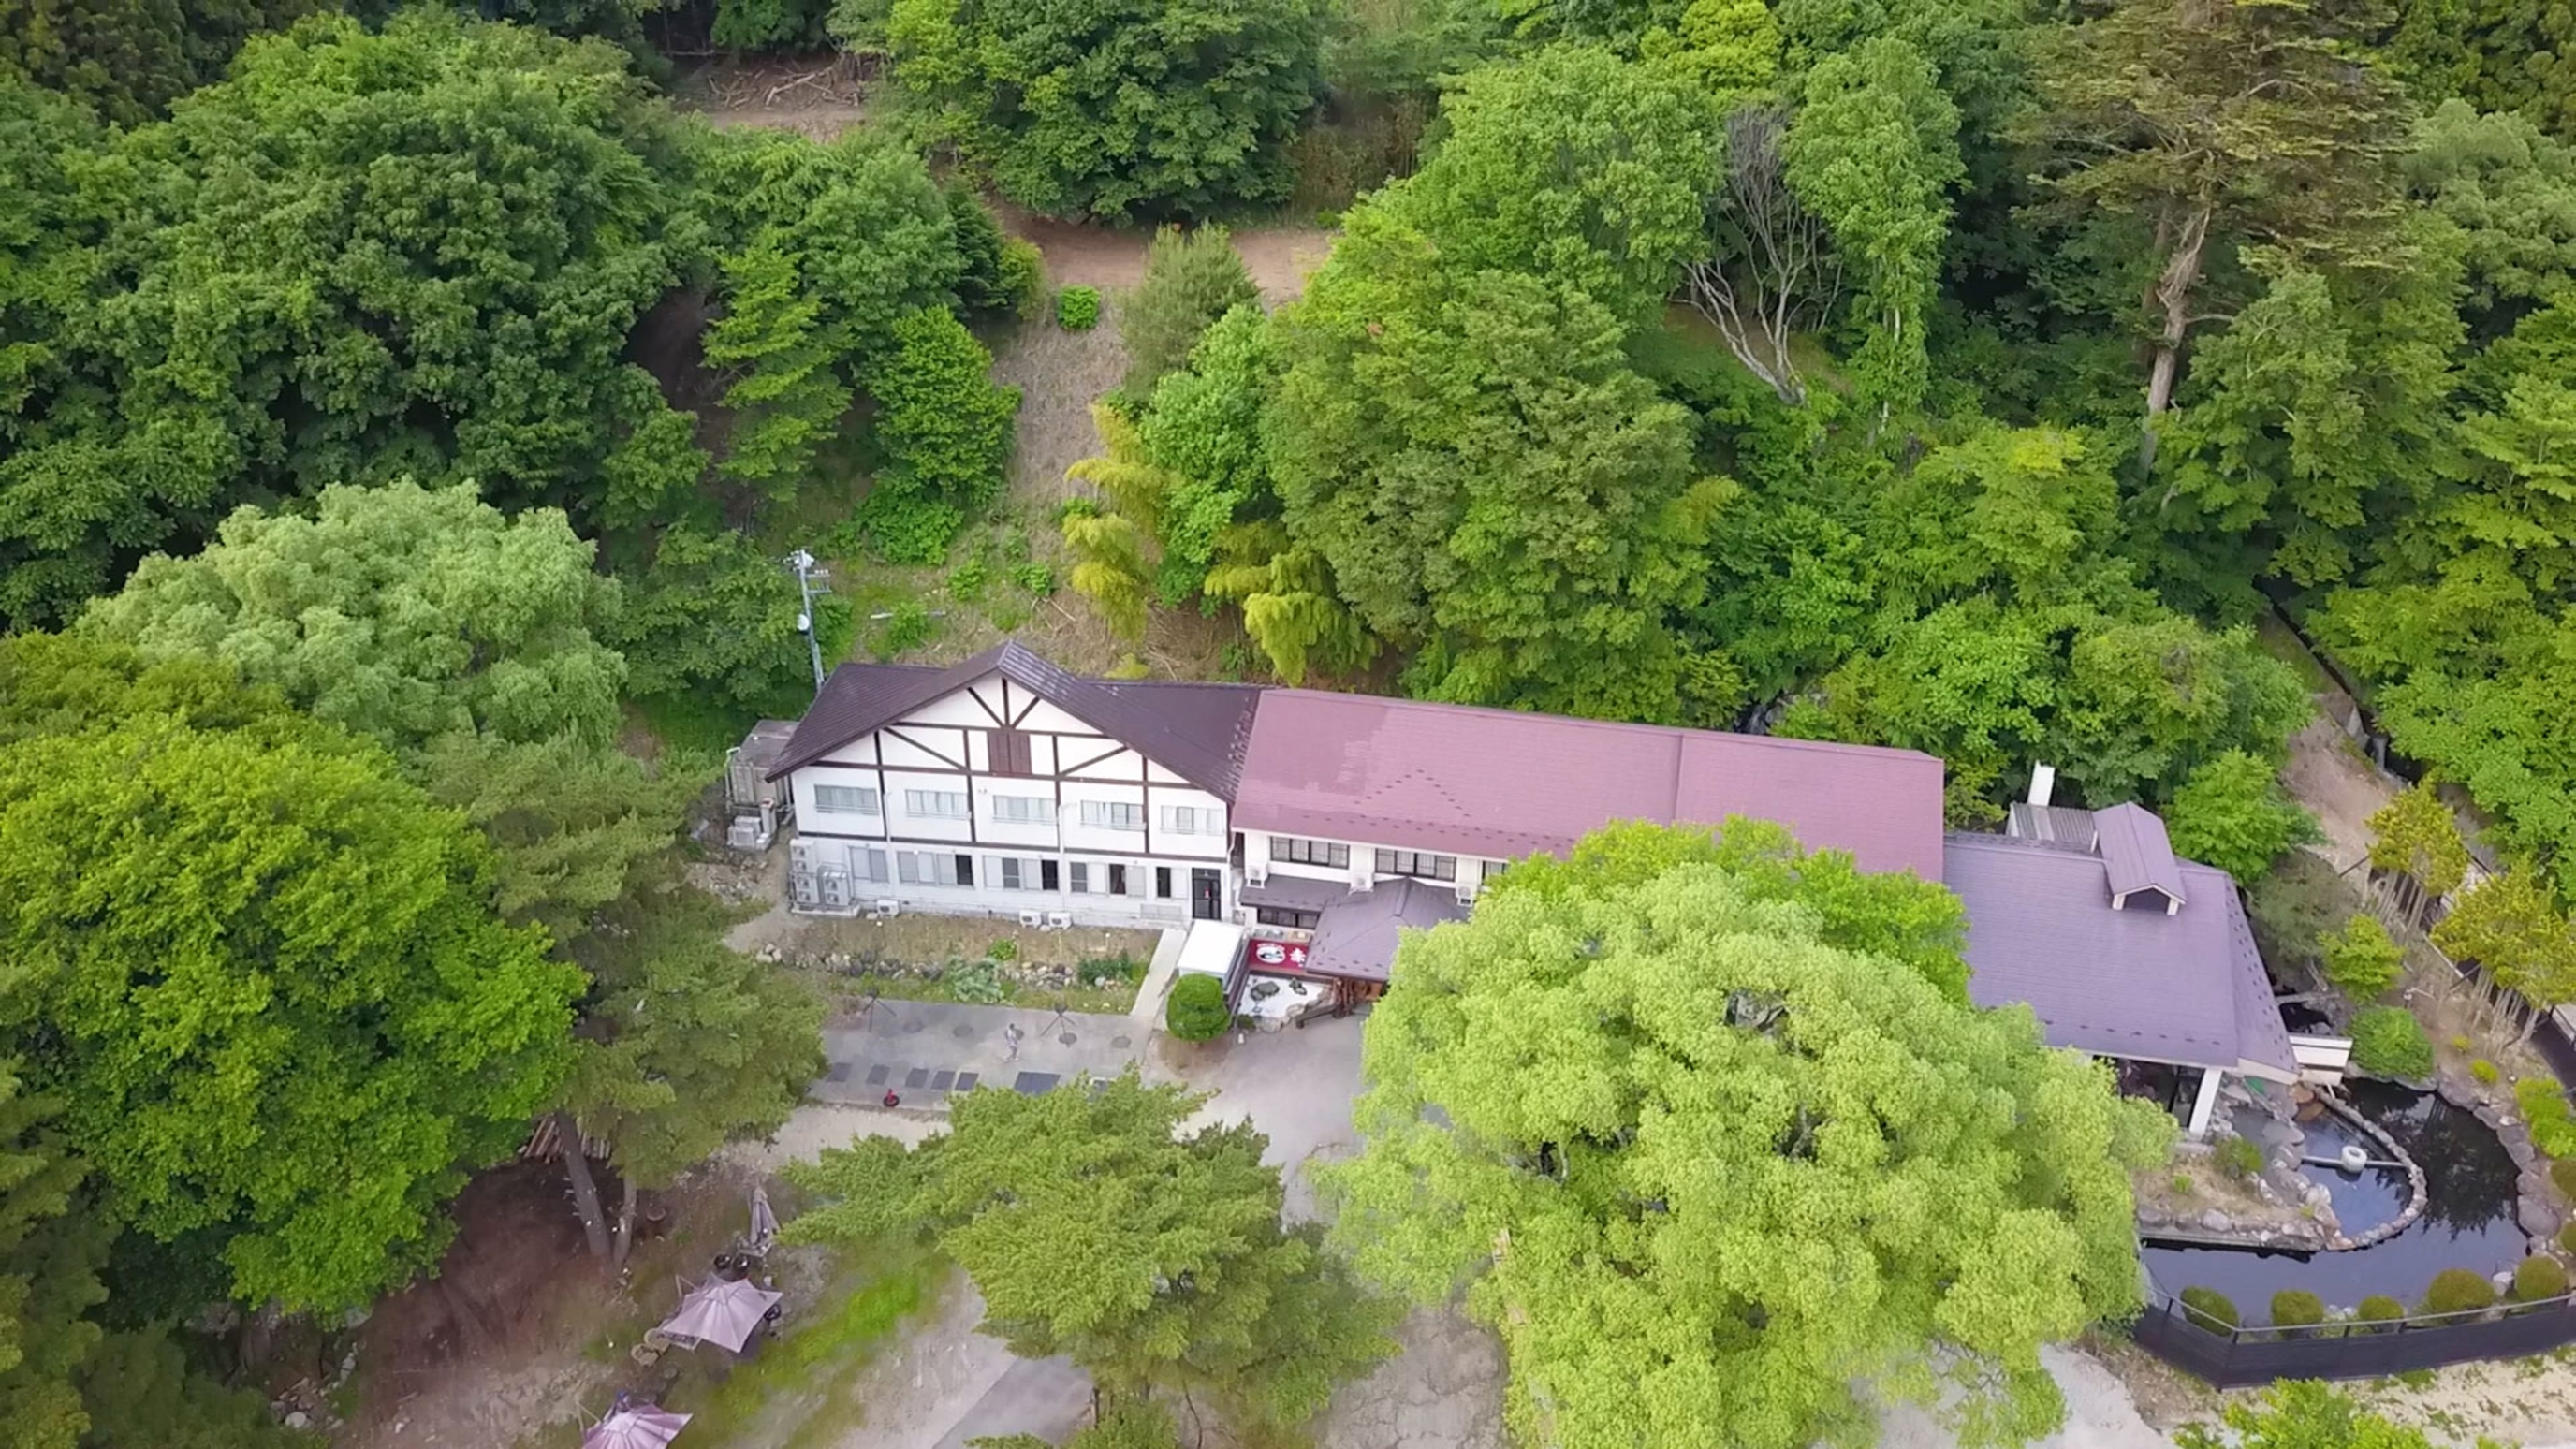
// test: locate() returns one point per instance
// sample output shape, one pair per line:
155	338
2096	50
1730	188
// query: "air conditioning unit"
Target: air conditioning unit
836	889
1256	875
887	908
802	890
1059	921
1030	918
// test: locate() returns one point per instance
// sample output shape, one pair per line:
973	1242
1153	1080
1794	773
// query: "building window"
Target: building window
1163	882
922	867
1024	809
935	804
1078	874
1191	820
1011	869
1117	880
1417	863
871	864
844	800
1282	916
1298	851
1048	878
1006	752
1113	815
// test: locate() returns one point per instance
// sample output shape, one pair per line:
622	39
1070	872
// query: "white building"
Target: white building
1004	785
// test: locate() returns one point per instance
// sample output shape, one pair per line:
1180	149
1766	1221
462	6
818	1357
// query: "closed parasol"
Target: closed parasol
719	1312
764	1223
642	1427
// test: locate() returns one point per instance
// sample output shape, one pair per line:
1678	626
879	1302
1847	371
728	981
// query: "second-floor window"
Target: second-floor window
935	804
1113	815
1191	820
1417	863
1024	809
845	800
1298	850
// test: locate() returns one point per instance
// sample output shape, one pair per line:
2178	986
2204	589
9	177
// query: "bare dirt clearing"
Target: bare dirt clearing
821	96
2328	774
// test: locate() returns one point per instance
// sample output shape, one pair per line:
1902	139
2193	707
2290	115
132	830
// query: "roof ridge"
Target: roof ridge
1684	733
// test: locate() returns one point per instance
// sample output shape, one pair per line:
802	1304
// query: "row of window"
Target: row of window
1020	810
1300	851
1011	872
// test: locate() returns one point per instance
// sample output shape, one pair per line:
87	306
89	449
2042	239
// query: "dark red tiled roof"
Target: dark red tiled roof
1501	784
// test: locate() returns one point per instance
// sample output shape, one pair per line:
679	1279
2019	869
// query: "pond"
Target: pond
2468	1221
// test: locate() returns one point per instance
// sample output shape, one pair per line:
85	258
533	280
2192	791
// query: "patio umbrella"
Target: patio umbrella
764	1223
643	1427
719	1312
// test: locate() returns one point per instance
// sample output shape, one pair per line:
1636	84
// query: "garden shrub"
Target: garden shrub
2563	1173
908	626
1197	1011
2387	1041
978	984
2537	1279
1094	970
2379	1308
2459	1042
2182	1187
2485	1071
2544	1112
2210	1309
2567	1237
2239	1158
1004	949
1077	309
2457	1290
2294	1308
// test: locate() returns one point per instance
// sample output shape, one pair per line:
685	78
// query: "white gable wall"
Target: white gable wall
941	752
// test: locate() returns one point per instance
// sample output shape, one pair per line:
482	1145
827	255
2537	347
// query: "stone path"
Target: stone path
925	1051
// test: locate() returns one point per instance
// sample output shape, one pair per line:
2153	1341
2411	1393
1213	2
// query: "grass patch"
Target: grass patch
704	722
804	1384
1109	998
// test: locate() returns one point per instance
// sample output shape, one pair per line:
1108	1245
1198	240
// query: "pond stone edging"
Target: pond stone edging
2534	1213
2417	1196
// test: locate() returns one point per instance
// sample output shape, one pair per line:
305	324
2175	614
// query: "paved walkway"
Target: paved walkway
924	1051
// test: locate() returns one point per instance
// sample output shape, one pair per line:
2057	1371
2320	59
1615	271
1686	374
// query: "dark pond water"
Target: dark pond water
2468	1224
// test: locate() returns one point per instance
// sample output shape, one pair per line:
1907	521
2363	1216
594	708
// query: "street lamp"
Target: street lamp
808	574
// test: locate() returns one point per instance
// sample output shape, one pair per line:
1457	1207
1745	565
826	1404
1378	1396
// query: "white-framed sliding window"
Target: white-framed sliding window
1024	809
845	800
935	804
1113	815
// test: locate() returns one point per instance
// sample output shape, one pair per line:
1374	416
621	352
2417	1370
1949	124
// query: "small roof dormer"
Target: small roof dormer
2138	859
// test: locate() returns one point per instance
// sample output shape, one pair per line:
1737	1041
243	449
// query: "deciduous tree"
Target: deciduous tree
1191	279
1095	1226
283	1013
2232	812
1705	1170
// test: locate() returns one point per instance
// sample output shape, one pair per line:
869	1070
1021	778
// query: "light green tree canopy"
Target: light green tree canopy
2232	812
2301	1415
398	611
1704	1170
1489	480
1096	1227
273	1000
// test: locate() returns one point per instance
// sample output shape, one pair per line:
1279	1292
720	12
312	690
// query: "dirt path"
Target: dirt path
2328	774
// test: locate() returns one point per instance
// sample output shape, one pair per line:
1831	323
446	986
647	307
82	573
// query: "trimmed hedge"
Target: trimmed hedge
2457	1290
2208	1308
2378	1308
2544	1113
2563	1173
2297	1308
2536	1279
1196	1010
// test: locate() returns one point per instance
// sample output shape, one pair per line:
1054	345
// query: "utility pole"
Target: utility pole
807	576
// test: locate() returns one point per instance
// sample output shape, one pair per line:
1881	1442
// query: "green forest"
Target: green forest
404	414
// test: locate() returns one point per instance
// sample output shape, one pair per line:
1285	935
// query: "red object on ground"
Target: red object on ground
891	1099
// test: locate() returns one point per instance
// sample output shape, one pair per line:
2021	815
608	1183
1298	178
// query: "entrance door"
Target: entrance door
1204	893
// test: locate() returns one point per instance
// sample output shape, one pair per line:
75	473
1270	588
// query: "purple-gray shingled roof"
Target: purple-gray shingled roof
2187	987
1502	784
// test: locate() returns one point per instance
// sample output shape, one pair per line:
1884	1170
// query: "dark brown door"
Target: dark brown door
1205	893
